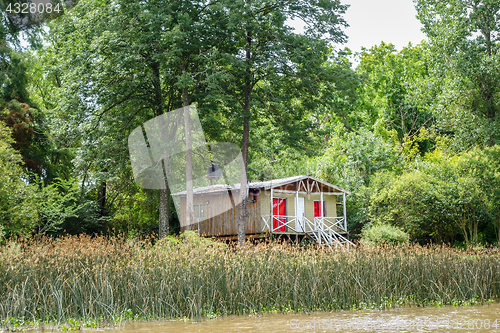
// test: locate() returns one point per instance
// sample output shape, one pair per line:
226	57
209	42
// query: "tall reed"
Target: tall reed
108	279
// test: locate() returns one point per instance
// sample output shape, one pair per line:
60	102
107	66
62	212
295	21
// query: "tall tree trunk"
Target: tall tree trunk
164	225
101	197
189	161
243	185
498	230
245	142
487	37
164	214
487	86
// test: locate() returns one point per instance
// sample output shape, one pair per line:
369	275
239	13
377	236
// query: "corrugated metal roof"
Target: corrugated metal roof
262	185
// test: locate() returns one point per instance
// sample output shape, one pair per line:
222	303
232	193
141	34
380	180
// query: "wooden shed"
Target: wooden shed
294	206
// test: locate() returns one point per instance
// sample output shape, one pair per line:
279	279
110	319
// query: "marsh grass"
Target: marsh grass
88	282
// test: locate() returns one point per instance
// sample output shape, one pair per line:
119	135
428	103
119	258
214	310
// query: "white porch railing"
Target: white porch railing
324	230
289	223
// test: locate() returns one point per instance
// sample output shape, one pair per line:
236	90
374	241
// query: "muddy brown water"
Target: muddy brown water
483	318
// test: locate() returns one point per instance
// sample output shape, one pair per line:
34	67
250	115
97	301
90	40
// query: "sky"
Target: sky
373	21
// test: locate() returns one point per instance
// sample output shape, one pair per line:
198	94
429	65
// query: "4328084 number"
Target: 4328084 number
33	8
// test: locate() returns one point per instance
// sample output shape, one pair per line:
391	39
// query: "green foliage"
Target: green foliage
353	158
441	196
380	234
137	213
57	203
13	78
389	77
87	219
465	69
18	213
18	110
405	201
282	85
350	162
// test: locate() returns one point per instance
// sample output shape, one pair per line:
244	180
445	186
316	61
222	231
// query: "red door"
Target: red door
279	214
317	209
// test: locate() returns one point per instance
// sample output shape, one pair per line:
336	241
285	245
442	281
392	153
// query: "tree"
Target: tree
270	69
386	97
441	196
483	166
57	203
120	89
18	212
140	59
17	107
463	41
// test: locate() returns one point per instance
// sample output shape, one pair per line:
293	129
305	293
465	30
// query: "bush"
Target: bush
442	197
412	201
376	234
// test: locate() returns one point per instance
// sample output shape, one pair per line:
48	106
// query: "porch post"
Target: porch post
296	204
321	204
272	217
345	215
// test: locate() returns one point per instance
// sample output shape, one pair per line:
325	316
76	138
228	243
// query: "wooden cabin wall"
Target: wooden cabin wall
182	213
265	205
330	203
254	218
224	218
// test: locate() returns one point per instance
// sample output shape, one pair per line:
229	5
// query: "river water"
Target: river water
483	318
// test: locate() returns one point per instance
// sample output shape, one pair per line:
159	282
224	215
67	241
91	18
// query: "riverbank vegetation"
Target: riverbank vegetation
84	281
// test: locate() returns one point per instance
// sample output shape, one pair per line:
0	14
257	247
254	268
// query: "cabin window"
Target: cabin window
200	211
317	209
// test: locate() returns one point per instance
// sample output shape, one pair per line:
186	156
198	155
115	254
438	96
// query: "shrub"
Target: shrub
442	197
376	234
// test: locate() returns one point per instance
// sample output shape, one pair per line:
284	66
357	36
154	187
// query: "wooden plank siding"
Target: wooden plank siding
224	218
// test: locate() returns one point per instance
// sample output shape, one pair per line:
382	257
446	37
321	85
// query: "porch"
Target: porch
309	199
329	231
